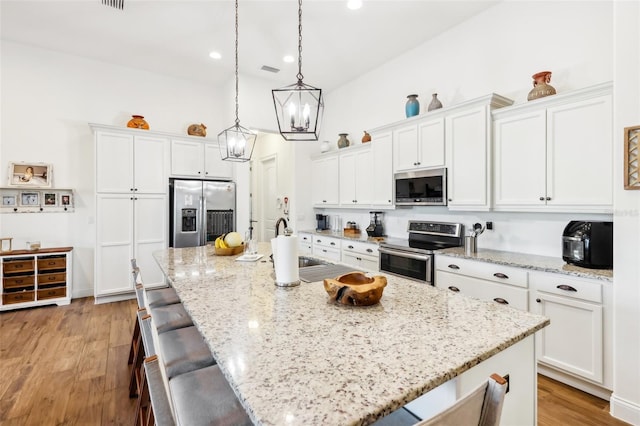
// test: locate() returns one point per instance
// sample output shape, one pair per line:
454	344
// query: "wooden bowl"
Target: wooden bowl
355	289
229	251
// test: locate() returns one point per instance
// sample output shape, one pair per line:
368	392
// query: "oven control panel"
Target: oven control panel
435	228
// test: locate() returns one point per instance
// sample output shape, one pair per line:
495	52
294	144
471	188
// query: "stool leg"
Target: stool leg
143	405
135	340
137	374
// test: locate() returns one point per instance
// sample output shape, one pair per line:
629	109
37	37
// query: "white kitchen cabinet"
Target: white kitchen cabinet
382	170
361	255
131	162
420	145
128	226
574	342
305	243
327	247
556	154
468	149
325	174
356	174
131	207
484	281
198	158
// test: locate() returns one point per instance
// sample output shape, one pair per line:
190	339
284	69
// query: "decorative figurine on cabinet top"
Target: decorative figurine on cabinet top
343	142
366	137
138	122
541	88
435	103
197	130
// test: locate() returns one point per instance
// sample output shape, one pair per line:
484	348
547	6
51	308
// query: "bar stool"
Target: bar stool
153	406
203	397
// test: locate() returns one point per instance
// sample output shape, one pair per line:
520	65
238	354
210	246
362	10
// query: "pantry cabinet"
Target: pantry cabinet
325	174
468	148
356	174
198	158
556	153
131	208
36	277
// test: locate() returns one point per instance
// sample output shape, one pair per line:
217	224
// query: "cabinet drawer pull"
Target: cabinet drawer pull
358	258
500	275
318	241
454	266
501	301
454	289
566	287
51	263
19	281
350	247
324	251
333	244
369	251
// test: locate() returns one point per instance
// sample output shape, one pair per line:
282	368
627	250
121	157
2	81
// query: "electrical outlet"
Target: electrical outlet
489	225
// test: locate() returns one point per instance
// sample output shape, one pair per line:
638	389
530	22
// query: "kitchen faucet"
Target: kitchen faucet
287	231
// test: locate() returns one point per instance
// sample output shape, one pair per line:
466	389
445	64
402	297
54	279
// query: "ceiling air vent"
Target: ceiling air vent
118	4
270	69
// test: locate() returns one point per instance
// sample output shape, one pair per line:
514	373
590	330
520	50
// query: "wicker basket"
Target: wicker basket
229	251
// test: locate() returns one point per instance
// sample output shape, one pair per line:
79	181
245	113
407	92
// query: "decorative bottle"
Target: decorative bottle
343	142
412	107
435	103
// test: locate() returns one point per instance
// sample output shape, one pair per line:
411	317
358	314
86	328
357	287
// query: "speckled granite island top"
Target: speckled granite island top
529	261
295	358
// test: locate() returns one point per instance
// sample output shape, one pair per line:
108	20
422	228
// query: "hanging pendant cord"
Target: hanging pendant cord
300	76
237	119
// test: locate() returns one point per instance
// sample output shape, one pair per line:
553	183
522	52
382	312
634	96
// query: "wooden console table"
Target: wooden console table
36	277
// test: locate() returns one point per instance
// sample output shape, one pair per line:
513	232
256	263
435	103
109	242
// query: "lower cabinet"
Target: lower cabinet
575	340
305	244
32	278
576	348
361	255
327	247
128	227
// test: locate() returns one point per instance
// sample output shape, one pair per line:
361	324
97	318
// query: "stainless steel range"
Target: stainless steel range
413	258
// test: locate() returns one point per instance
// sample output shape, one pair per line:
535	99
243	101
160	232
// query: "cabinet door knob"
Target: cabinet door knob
418	163
501	275
566	287
358	258
541	198
548	198
501	301
199	172
350	247
454	289
135	189
450	200
453	266
131	189
538	300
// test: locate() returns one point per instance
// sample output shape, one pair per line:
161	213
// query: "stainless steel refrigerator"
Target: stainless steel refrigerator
200	211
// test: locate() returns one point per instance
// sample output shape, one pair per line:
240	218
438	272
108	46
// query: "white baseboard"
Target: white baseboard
114	298
583	385
82	292
625	410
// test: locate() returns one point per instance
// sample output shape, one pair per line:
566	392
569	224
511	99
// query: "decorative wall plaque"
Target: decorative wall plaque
631	157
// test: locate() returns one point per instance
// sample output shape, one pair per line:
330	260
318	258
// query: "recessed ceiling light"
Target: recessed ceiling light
288	59
354	4
215	55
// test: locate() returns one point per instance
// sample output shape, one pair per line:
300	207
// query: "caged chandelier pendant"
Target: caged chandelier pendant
236	143
299	106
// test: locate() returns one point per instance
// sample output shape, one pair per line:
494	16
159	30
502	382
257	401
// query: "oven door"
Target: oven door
415	266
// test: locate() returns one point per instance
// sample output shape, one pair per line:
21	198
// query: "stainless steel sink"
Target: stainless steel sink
304	261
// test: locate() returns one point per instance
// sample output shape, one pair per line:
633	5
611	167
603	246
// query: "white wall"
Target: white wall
48	99
625	402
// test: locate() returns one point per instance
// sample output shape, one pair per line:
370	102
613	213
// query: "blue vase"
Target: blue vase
412	107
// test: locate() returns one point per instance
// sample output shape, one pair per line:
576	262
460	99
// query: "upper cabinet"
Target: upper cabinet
355	177
325	178
419	145
382	170
468	145
556	153
198	158
130	162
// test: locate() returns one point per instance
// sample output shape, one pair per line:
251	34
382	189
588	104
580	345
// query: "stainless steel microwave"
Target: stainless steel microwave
421	188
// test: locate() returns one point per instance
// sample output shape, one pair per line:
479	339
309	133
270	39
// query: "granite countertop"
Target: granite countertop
530	261
294	357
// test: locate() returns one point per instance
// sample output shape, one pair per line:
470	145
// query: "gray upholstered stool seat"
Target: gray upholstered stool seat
183	350
400	417
203	397
161	297
170	317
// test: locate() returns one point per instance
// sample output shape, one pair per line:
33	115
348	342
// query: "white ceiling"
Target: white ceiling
175	37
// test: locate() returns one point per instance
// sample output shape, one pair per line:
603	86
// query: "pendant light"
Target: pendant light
236	143
299	106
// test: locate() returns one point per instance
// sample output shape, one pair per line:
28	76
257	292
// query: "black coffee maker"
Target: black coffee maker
375	228
323	222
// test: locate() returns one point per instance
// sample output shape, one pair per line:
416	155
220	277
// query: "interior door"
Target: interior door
268	195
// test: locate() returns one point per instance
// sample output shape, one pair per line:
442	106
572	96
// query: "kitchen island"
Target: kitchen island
293	357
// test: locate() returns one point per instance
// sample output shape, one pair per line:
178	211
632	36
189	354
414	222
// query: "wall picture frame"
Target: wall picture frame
30	174
632	157
29	199
66	200
50	199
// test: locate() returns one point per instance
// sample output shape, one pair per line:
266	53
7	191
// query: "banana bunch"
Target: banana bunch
219	242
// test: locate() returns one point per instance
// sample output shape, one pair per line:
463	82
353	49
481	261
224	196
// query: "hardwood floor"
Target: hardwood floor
67	365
